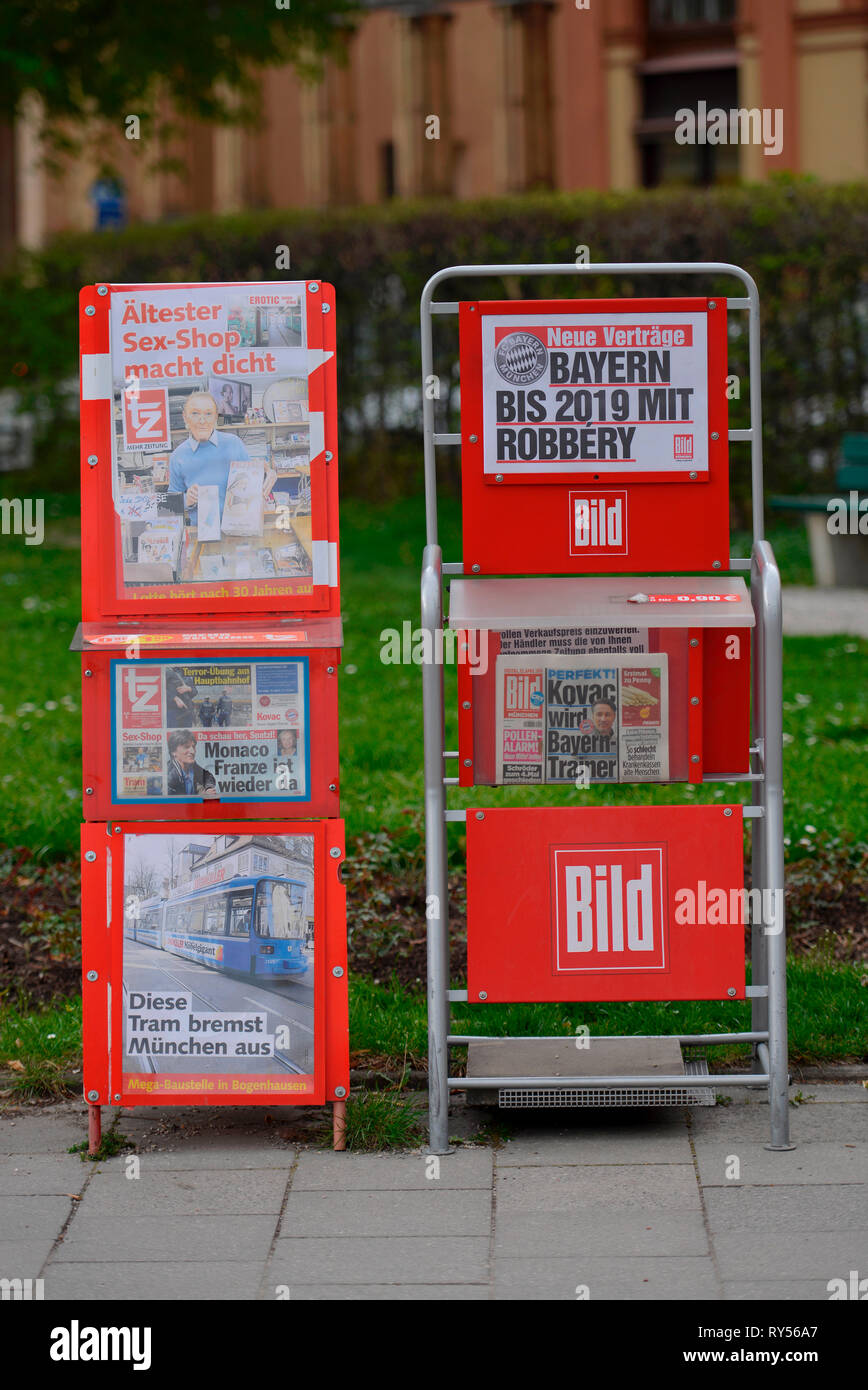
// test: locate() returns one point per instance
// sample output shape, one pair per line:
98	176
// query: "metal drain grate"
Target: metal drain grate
575	1097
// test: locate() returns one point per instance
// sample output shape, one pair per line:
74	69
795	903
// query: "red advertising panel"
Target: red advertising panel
594	435
214	963
208	448
606	903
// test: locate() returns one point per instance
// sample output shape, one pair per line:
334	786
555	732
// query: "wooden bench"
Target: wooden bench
839	555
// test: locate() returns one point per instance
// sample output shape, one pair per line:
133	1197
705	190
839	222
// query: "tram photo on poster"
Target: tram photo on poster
211	438
218	964
210	730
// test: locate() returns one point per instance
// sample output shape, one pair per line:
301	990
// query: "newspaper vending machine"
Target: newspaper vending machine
595	489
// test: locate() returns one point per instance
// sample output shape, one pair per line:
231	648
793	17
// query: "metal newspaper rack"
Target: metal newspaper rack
768	1033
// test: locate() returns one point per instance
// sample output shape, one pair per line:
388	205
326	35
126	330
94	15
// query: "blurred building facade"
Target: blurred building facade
469	98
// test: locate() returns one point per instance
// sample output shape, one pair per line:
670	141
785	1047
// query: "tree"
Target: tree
93	62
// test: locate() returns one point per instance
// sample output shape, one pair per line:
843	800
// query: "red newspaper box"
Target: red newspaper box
614	903
593	432
596	679
214	963
208	449
202	723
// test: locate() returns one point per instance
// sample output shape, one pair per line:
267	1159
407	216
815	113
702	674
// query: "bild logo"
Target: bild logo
608	909
598	523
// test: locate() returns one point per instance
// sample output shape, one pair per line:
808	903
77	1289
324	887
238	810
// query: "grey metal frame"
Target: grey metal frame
768	993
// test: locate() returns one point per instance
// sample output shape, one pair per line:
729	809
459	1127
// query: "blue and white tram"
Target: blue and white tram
254	926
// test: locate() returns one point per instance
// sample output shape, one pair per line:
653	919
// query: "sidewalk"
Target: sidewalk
631	1204
810	612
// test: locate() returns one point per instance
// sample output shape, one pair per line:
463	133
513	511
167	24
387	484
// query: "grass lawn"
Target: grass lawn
826	719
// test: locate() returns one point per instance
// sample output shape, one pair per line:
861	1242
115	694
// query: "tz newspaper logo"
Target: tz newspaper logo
598	523
608	909
146	419
520	358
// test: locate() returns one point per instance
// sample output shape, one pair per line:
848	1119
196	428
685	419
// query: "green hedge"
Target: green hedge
804	243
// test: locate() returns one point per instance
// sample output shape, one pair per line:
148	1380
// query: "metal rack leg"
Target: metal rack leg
769	618
436	902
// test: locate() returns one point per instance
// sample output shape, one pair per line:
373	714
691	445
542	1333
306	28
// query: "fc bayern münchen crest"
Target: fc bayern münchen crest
520	358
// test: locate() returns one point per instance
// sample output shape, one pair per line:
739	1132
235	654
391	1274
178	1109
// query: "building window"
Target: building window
663	160
670	13
387	169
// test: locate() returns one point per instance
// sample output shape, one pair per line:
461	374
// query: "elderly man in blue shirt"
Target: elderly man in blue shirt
203	459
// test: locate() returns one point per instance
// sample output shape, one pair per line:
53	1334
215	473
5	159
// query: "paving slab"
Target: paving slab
810	1162
389	1293
33	1218
396	1260
787	1290
211	1280
617	1187
214	1154
348	1172
639	1278
183	1238
788	1255
190	1192
42	1133
837	1207
23	1259
42	1175
443	1212
816	1120
599	1231
598	1144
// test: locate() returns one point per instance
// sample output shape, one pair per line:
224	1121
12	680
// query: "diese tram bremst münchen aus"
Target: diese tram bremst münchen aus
251	926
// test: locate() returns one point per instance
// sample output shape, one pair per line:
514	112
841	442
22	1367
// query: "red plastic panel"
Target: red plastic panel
248	758
104	591
594	519
154	978
614	903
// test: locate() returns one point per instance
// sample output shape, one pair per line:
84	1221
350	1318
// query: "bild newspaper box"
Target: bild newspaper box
601	679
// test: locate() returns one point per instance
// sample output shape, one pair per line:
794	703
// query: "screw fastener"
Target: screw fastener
465	704
335	852
475	569
92	460
89	311
694	699
313	286
102	289
498	477
93	1095
480	815
340	1092
694	757
727	810
92	975
483	994
328	455
474	438
694	641
714	434
338	971
90	856
731	991
693	477
712	303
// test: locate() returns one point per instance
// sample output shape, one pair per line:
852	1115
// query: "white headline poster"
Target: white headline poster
608	393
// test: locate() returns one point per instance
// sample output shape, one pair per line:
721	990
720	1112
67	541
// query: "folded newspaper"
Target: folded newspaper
597	718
